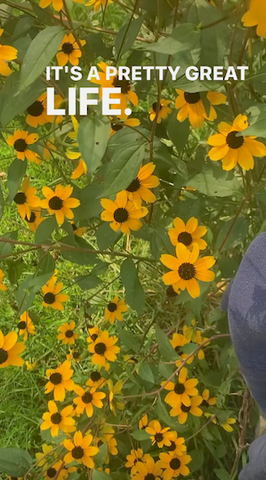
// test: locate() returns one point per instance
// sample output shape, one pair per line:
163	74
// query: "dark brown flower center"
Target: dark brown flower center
154	107
170	292
3	356
95	376
31	219
69	333
171	447
134	186
55	203
175	463
67	48
184	408
49	298
112	307
51	472
77	453
20	198
121	215
100	348
75	355
178	350
117	126
185	238
56	418
179	388
20	145
149	476
187	271
94	337
100	443
56	378
74	227
36	109
233	141
158	437
192	97
123	84
205	403
22	325
87	397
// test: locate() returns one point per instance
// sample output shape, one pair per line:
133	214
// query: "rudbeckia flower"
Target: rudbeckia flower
159	436
7	53
255	16
191	106
103	349
188	233
143	423
10	350
74	355
52	296
139	188
134	457
26	326
37	111
87	399
106	435
56	420
233	149
26	199
57	469
94	333
20	141
59	202
114	390
34	219
163	113
96	380
98	4
60	381
227	424
147	470
177	446
57	4
122	213
116	126
182	411
67	335
69	51
2	286
80	450
114	310
208	401
187	268
174	465
79	231
181	390
42	457
178	341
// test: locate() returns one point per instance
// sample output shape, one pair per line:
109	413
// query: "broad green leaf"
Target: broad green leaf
222	474
87	282
178	131
89	196
140	435
258	127
135	296
197	460
145	373
127	36
128	339
15	173
106	237
78	256
6	247
236	236
39	54
45	229
99	475
165	347
215	182
93	136
14	461
185	37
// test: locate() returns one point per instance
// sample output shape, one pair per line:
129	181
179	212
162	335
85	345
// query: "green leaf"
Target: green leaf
87	282
197	460
45	229
135	296
222	474
145	373
14	461
215	182
165	347
39	54
178	131
15	173
162	414
257	128
237	235
128	339
127	36
99	475
76	256
184	38
93	136
106	237
6	247
140	435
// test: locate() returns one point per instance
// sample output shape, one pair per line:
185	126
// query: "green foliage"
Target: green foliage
14	461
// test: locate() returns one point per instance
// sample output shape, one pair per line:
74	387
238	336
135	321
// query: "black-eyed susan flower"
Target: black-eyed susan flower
7	53
52	296
25	325
80	450
59	202
34	219
164	111
69	50
233	149
159	436
134	457
10	349
148	470
106	435
67	335
177	446
37	112
255	16
21	141
227	425
181	390
56	420
60	381
187	268
26	198
208	401
57	4
178	341
74	355
96	380
79	231
57	470
31	365
190	105
119	124
139	188
122	214
174	465
113	398
87	399
43	457
73	152
188	233
2	286
103	349
182	411
98	4
114	310
143	423
94	333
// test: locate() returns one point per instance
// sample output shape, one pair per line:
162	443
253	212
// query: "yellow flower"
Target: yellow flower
147	470
174	465
53	470
25	325
69	51
10	350
94	333
73	154
182	410
139	188
59	202
20	141
26	199
181	390
227	424
79	231
159	436
115	403
134	457
56	420
177	446
191	106
42	457
57	4
122	213
67	335
96	380
80	450
52	296
116	126
103	349
178	341
114	310
87	399
233	149
99	3
255	16
106	435
74	355
187	268
163	112
7	53
31	365
188	233
37	111
207	401
34	219
2	286
143	423
60	381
